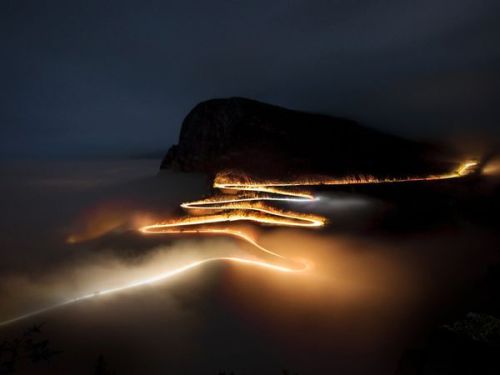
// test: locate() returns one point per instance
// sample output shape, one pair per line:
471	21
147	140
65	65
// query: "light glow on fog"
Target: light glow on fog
245	200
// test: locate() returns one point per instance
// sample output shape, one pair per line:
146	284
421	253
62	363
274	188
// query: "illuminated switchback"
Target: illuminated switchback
247	205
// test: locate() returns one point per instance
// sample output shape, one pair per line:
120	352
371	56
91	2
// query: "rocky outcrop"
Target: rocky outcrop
263	139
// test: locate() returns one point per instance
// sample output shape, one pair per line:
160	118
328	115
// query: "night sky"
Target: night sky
90	78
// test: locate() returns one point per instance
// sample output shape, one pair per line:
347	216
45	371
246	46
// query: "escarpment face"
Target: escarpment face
267	140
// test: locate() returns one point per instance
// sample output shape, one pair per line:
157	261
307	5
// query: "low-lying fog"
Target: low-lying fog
68	230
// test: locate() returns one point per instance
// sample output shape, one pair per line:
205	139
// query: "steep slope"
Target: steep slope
263	139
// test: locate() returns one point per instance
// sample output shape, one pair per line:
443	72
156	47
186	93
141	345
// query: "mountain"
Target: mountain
267	140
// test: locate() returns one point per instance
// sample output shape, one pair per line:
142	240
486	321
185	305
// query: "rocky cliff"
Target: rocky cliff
263	139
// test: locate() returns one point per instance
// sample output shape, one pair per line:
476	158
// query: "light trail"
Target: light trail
238	183
247	205
154	279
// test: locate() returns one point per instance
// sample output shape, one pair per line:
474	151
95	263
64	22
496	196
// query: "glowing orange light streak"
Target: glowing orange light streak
222	181
247	208
251	207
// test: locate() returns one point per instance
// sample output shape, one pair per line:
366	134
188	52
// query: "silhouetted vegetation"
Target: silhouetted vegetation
466	346
30	348
101	366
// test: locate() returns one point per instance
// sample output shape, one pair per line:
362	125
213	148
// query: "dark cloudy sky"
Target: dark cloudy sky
117	77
